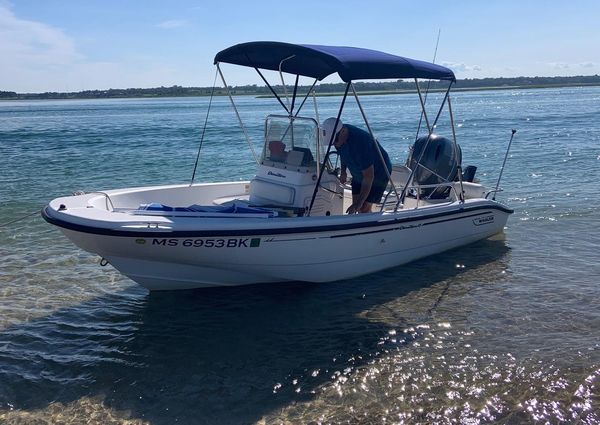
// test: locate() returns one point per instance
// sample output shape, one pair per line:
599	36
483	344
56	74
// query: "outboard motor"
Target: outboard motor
439	163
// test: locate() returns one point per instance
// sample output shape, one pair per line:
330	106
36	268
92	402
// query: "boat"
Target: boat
288	223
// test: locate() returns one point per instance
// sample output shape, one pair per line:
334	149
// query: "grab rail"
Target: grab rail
494	191
108	200
430	186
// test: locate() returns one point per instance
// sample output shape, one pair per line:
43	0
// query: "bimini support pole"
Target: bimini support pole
455	145
387	172
272	91
424	112
238	115
331	139
308	93
294	95
314	96
212	93
437	117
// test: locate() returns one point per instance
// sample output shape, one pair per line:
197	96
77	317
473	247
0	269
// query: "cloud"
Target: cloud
175	23
37	57
461	67
587	65
559	65
33	43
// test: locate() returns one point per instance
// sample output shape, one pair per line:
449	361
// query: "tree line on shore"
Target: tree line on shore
327	88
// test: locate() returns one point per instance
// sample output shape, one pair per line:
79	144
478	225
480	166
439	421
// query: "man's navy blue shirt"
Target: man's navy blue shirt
359	153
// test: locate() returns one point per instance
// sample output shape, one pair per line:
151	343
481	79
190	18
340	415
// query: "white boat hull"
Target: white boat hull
226	252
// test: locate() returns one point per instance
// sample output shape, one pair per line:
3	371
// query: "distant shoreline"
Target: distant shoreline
458	89
326	89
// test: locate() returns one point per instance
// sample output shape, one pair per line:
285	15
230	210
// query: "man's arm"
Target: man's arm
368	174
343	169
343	173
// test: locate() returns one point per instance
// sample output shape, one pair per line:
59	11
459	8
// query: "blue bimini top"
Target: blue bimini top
351	63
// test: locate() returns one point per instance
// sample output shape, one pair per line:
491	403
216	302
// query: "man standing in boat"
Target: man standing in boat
358	153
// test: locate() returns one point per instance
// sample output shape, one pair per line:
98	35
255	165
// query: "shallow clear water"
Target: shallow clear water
505	330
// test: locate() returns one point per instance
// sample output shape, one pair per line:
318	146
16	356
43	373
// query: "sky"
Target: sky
73	45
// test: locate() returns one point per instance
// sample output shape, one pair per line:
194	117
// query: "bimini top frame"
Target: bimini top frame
350	63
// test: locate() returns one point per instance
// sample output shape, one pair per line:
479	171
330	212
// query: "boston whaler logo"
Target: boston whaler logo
483	220
270	173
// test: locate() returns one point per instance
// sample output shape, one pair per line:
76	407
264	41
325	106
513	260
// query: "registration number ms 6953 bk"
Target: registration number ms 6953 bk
209	243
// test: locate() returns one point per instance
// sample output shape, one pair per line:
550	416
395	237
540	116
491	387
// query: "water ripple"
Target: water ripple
502	331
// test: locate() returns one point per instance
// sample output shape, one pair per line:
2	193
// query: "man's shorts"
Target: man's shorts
377	189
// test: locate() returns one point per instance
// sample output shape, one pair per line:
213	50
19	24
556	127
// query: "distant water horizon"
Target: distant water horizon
325	89
506	330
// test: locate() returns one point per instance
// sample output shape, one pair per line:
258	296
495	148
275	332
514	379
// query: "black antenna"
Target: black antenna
428	83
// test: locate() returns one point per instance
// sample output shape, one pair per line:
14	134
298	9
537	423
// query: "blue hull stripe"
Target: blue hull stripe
371	226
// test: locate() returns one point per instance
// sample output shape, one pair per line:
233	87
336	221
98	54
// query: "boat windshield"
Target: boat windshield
291	140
